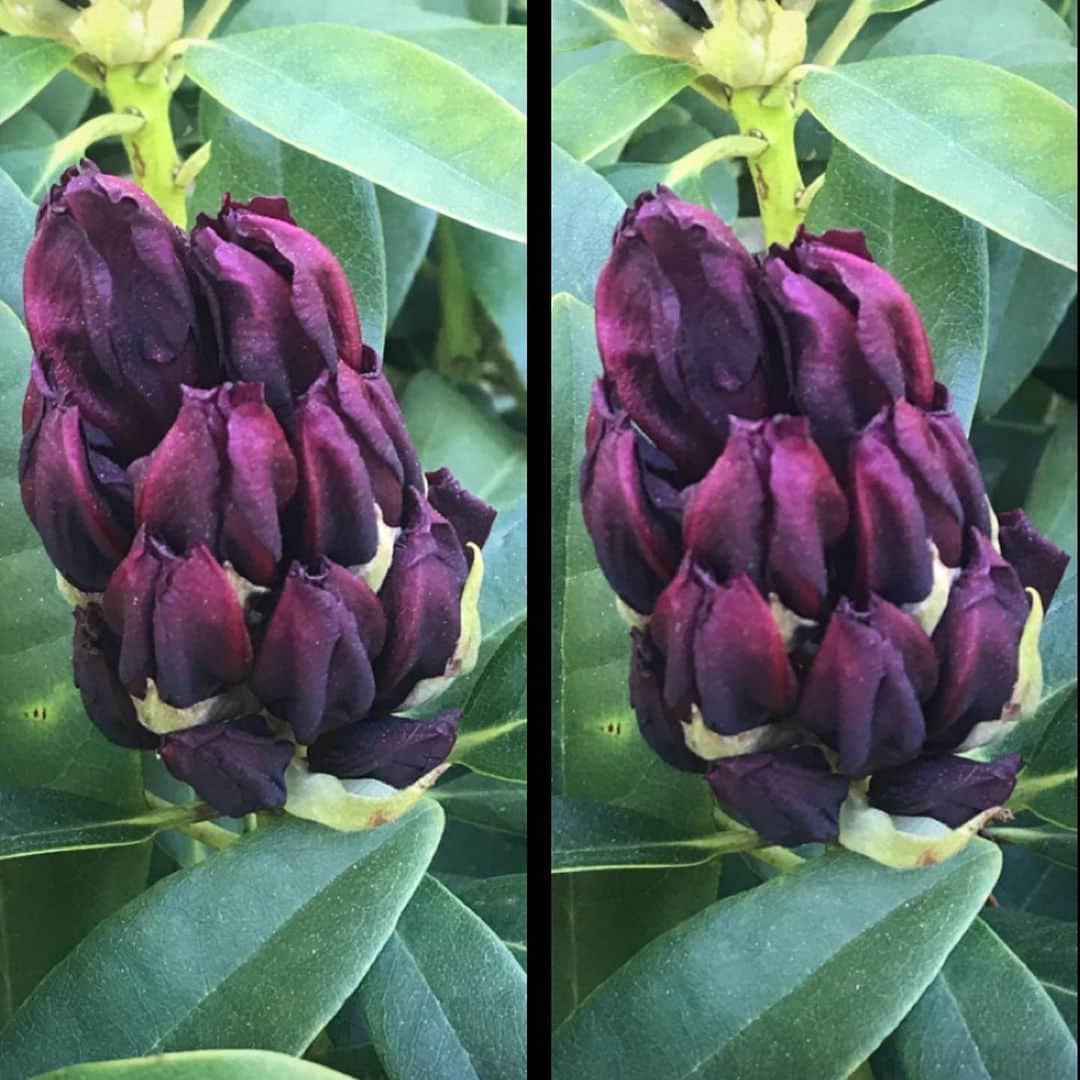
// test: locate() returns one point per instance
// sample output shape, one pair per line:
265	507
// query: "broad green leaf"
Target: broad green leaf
63	102
26	65
1047	947
492	737
809	972
327	903
199	1065
335	205
500	902
1056	844
485	802
1031	884
990	144
595	836
939	256
359	1062
585	209
575	24
407	229
17	214
466	851
403	117
1029	296
599	104
445	997
983	1015
40	820
1051	502
1047	783
392	16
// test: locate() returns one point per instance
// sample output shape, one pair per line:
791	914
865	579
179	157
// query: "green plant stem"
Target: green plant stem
698	160
844	33
213	836
778	858
774	170
207	19
151	150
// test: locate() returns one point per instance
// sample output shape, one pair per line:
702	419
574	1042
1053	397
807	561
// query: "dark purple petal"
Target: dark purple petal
314	664
1039	563
111	308
788	796
76	495
951	789
857	696
233	767
471	517
977	643
631	510
393	749
95	657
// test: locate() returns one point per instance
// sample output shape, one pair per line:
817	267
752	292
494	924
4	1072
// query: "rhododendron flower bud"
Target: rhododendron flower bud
220	477
631	509
681	329
788	796
864	691
951	789
181	628
282	304
470	516
73	490
769	508
751	42
237	767
723	651
856	341
1039	564
393	749
111	309
314	663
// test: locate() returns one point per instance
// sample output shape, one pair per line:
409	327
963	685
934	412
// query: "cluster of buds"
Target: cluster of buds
262	575
826	612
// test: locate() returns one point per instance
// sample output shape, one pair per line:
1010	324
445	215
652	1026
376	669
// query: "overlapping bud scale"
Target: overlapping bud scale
263	576
826	613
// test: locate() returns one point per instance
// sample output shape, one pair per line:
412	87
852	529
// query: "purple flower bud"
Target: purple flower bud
314	665
95	658
219	478
77	496
661	726
788	796
863	693
111	309
855	338
1039	563
722	651
769	508
913	478
681	331
951	789
631	509
422	600
179	621
470	516
392	749
238	767
977	642
281	302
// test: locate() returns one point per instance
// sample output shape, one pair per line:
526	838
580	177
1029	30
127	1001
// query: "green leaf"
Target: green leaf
404	118
601	103
501	903
492	737
990	144
1047	783
26	65
17	214
328	902
1047	947
822	962
63	102
594	836
485	802
938	255
1029	296
445	997
1031	884
338	207
880	7
407	230
1056	844
1051	501
392	16
984	1015
574	24
199	1065
360	1062
585	209
39	820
